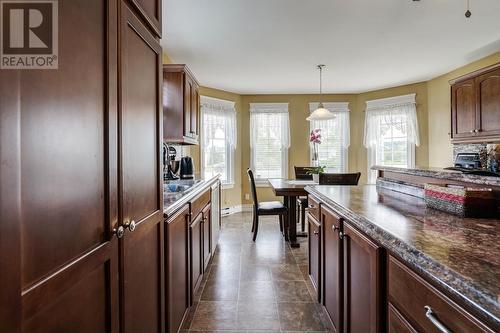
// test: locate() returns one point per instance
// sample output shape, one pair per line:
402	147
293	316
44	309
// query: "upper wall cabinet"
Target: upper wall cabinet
181	105
475	106
150	11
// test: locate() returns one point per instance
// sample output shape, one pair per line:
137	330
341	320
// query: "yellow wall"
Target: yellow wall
298	154
439	103
433	111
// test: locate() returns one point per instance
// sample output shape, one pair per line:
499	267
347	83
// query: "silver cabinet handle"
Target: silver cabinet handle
335	228
341	235
118	232
434	320
311	206
130	225
472	131
316	232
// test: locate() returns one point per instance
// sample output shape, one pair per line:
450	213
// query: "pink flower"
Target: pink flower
315	136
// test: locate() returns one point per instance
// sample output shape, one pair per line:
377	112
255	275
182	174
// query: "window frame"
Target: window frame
335	107
392	104
269	108
226	107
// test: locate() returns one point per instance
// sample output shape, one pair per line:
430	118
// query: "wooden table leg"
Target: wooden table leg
292	221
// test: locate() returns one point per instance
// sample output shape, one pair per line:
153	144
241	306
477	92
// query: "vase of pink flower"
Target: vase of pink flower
315	140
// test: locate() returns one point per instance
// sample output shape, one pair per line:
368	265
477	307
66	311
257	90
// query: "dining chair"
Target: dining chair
301	174
266	208
339	178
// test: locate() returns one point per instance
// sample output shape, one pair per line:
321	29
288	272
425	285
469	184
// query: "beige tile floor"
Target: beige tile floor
261	286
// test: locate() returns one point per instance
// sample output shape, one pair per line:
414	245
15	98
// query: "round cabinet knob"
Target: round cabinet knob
130	225
472	131
341	235
335	228
119	232
316	232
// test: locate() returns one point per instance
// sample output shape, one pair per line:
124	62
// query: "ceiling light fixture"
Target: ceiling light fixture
321	113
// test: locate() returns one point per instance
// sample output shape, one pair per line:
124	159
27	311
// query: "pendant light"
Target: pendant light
320	113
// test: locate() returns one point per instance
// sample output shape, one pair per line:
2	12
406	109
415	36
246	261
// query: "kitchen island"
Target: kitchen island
459	257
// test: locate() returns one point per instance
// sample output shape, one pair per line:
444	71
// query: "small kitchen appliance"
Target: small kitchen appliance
468	161
187	168
169	163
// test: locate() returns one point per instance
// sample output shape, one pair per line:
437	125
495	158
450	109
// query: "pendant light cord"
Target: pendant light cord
320	67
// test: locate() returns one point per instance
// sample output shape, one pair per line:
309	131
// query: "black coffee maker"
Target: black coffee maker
187	168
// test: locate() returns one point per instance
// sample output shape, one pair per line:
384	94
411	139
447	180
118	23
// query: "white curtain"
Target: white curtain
400	114
274	114
388	107
219	111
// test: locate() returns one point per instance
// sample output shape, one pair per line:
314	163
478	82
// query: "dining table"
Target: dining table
290	190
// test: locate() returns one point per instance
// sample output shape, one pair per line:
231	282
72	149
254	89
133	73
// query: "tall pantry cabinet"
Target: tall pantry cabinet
81	194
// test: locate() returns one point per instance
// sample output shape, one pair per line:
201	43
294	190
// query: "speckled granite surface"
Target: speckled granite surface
461	255
444	174
173	201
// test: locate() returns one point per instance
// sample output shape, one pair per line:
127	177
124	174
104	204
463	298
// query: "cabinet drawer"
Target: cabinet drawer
315	254
313	208
410	294
199	203
397	323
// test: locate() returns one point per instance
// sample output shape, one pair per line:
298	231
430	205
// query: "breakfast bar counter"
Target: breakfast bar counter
460	256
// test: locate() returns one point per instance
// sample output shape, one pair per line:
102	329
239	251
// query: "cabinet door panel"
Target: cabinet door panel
196	253
362	287
463	109
59	152
188	91
488	102
332	263
177	262
195	109
150	12
207	225
141	192
397	323
315	254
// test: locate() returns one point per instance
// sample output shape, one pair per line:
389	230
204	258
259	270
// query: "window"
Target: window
332	152
269	140
218	139
391	133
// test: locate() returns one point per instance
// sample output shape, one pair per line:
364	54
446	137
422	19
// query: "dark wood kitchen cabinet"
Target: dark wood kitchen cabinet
141	177
207	235
58	256
81	208
475	106
362	282
332	267
176	268
196	254
150	13
423	308
315	253
181	105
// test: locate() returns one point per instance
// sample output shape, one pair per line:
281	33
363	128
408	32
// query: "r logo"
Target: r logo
28	28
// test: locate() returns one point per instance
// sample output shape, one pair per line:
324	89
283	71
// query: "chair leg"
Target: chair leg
253	220
281	223
286	226
256	227
303	218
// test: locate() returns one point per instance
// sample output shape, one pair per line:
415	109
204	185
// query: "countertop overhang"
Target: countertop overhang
461	255
171	203
439	173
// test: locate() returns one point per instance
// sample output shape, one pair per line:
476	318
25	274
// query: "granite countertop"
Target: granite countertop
173	201
443	174
461	255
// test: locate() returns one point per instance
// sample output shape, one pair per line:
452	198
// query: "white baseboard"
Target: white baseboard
236	209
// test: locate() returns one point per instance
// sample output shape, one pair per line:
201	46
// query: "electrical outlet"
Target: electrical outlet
247	196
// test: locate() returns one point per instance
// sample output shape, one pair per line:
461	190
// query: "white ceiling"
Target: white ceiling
273	46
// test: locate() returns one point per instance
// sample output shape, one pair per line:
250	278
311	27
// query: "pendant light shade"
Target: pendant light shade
320	113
